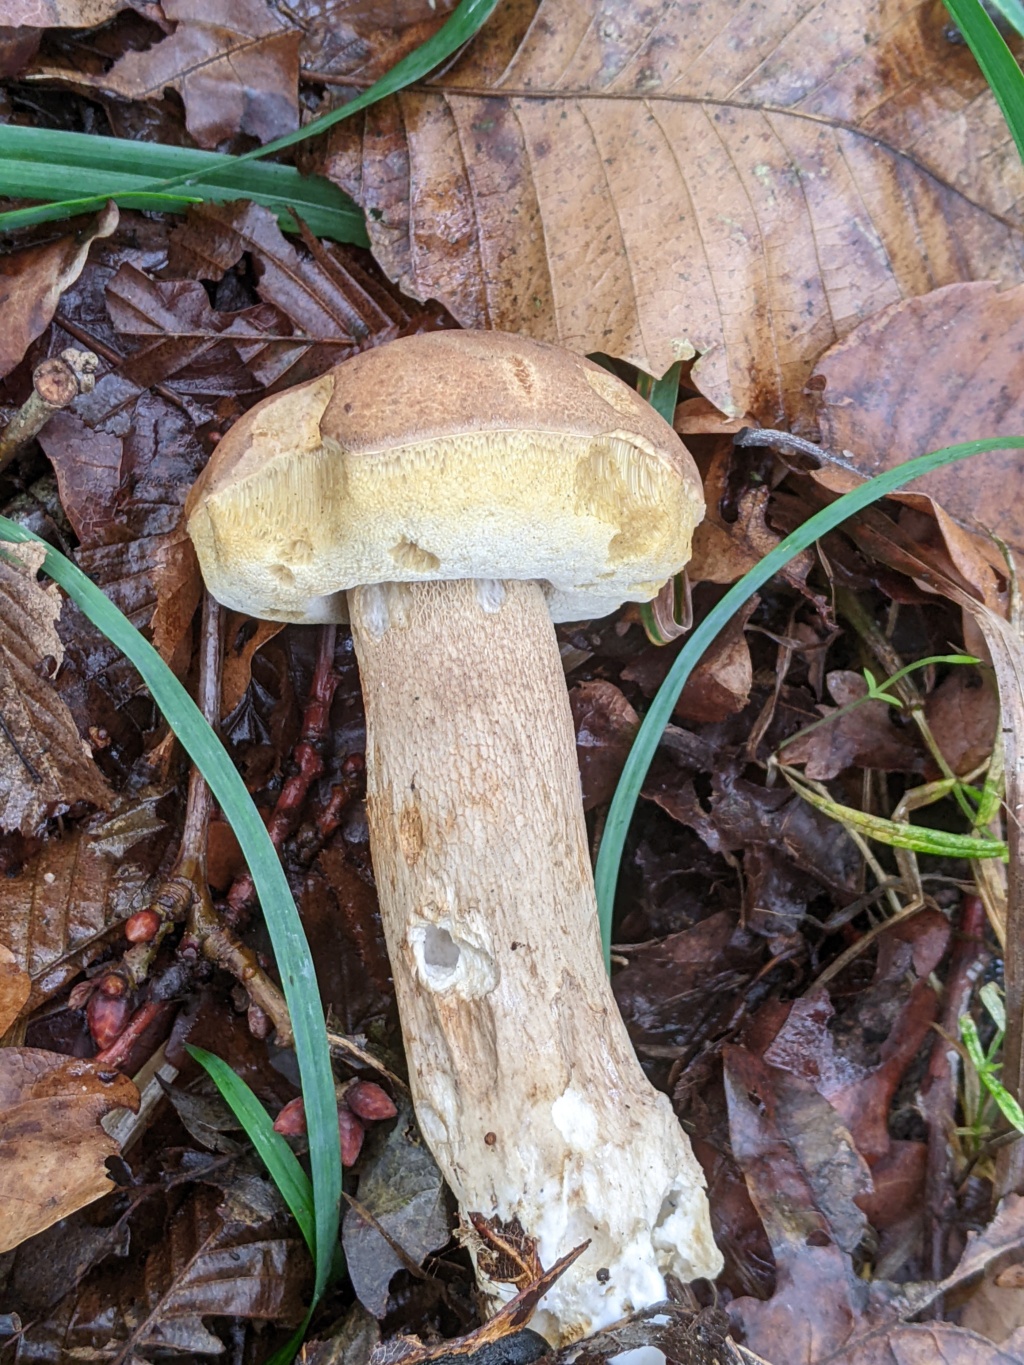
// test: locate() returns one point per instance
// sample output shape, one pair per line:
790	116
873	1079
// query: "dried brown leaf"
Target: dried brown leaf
929	372
45	767
15	988
52	1147
326	298
32	281
235	66
363	41
665	181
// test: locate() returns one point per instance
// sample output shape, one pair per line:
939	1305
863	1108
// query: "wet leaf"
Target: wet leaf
538	184
32	281
223	1255
405	1192
64	13
125	461
938	1343
606	726
56	911
364	41
963	712
52	1148
236	68
926	372
720	684
864	737
45	767
818	1300
183	342
681	988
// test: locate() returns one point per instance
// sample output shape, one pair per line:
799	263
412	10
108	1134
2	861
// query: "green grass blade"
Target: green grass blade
242	173
997	62
41	163
277	1156
620	813
282	919
1013	12
663	393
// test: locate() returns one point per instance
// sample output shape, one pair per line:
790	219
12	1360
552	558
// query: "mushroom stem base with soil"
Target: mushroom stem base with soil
525	1083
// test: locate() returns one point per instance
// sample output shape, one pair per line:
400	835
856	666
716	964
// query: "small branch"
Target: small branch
309	766
786	441
939	1092
56	383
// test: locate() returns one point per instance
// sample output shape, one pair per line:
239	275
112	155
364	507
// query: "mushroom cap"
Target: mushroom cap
446	455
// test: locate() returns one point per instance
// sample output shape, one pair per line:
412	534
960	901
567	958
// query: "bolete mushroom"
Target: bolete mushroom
451	494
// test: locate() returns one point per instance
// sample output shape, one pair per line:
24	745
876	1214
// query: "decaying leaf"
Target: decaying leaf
185	342
606	726
735	182
45	767
15	988
330	302
405	1193
509	1319
929	372
124	463
235	66
223	1255
63	13
864	737
363	41
52	1147
32	281
56	911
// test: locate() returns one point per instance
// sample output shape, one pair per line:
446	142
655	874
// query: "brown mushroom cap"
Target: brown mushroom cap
443	456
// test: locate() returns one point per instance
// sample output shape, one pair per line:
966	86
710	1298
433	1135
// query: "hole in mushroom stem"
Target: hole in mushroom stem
440	949
447	961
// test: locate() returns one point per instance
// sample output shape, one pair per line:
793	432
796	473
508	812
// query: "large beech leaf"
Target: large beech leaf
746	182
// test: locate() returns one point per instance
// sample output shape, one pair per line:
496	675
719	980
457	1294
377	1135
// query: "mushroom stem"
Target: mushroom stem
525	1083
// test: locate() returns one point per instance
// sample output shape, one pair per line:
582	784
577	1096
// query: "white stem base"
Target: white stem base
525	1083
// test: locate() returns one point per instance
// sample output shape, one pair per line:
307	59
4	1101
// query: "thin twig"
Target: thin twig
55	383
939	1092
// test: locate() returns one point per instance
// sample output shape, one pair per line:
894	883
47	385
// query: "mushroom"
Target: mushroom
452	494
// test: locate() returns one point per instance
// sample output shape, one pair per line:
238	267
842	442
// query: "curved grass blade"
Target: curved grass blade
620	813
282	919
276	1155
